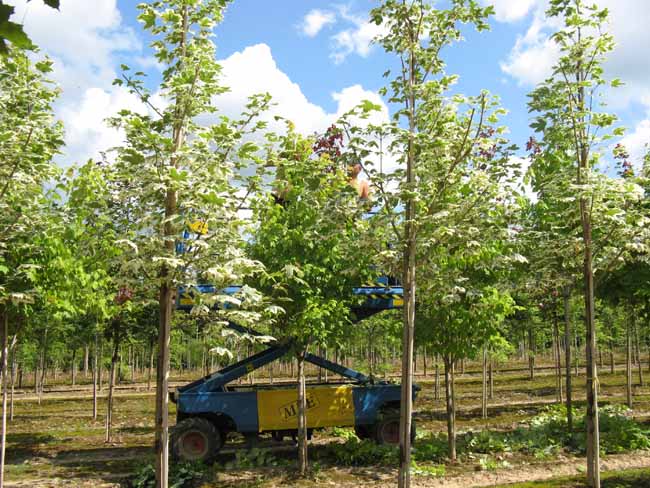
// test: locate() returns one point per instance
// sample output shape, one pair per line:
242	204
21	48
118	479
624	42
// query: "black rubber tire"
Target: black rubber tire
386	429
363	431
196	439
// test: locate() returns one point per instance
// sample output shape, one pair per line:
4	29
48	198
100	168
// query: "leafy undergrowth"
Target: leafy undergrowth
186	475
355	452
59	439
636	478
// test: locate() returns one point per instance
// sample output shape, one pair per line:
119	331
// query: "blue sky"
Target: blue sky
314	57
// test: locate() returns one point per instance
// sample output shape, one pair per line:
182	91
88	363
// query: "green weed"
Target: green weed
255	458
435	471
344	433
355	452
183	475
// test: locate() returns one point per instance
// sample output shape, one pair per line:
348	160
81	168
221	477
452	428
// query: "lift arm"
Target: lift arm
217	381
337	368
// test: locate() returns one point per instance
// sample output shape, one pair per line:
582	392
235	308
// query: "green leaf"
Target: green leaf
11	31
14	33
52	3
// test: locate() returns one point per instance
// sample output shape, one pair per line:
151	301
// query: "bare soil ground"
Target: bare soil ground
57	444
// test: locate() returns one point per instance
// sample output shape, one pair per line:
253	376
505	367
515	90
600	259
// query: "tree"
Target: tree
174	176
416	32
91	233
573	127
29	138
309	244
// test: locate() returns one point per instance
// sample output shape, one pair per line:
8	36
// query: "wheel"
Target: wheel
387	429
196	439
363	431
251	439
277	435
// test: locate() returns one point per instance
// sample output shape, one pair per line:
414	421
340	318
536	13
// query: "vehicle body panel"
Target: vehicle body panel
264	408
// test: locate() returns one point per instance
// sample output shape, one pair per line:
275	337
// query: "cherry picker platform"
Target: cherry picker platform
209	408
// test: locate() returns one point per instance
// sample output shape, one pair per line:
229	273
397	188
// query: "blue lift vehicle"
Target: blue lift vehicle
211	407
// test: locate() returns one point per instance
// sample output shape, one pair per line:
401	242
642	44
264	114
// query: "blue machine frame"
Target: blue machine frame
210	396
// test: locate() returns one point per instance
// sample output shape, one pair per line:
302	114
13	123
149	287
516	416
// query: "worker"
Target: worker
361	186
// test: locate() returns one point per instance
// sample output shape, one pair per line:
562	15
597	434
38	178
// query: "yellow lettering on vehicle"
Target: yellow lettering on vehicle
199	227
326	407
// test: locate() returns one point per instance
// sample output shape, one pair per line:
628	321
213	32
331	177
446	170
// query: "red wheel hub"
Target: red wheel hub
390	432
194	445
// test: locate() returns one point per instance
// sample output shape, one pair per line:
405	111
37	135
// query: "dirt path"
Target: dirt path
518	474
546	471
385	478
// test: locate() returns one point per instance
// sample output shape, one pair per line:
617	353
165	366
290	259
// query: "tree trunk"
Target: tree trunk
484	391
41	382
558	362
132	363
451	408
152	350
4	318
531	353
424	358
320	370
111	385
567	358
99	368
95	374
73	367
302	417
576	361
406	405
637	347
593	431
600	358
612	366
162	386
13	379
491	375
628	365
86	358
437	382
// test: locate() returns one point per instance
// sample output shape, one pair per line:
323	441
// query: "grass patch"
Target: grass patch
635	478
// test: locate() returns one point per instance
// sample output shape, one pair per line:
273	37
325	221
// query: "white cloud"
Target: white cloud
531	62
315	20
357	40
637	143
629	26
511	10
254	70
533	54
83	39
522	164
86	130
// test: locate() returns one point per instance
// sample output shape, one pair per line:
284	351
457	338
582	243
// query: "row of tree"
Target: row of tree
97	254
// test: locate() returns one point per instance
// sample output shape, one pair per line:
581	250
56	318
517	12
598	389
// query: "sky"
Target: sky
317	60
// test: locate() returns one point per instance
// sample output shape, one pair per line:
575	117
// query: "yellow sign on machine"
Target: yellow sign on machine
326	407
199	227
